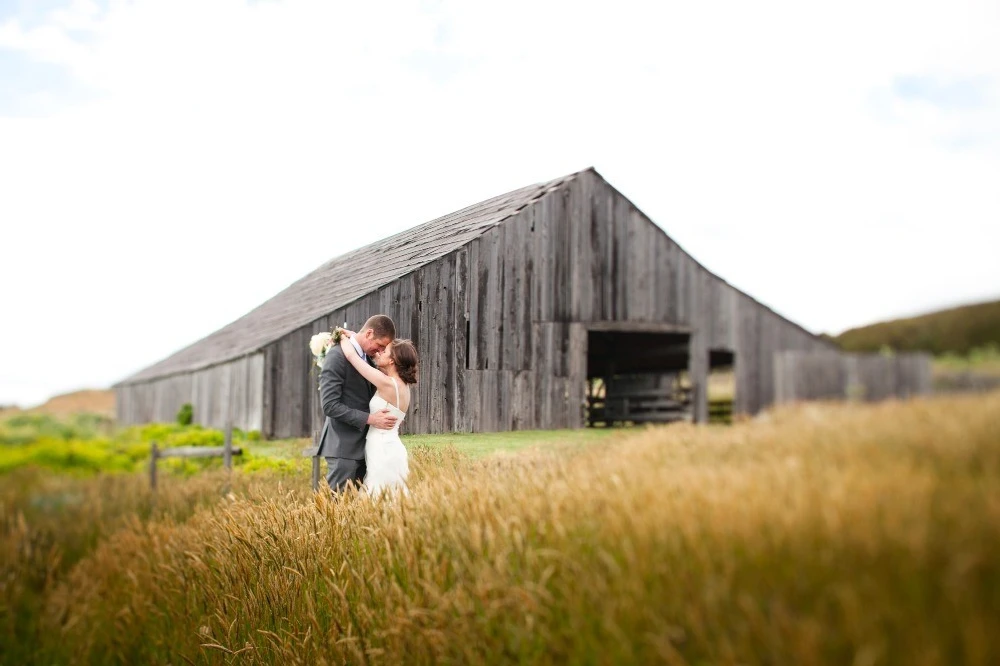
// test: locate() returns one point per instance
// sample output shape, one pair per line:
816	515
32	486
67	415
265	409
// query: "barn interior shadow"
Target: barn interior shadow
637	377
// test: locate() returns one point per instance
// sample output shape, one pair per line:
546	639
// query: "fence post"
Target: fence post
227	457
155	452
227	454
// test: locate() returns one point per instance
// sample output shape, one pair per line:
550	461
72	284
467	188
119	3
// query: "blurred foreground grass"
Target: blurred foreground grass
815	534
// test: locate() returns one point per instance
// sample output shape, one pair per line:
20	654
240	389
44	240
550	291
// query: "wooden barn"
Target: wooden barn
552	306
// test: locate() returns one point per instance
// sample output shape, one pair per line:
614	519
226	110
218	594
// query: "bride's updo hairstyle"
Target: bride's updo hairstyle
404	355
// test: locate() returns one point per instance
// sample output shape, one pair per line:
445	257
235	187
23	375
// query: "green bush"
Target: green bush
88	444
75	456
185	415
25	428
196	436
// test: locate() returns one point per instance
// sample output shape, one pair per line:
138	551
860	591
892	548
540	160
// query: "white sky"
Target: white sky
167	165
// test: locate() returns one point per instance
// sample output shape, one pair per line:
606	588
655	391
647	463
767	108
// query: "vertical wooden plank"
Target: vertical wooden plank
597	239
604	249
476	343
406	308
698	356
473	398
488	406
507	402
493	302
541	372
550	368
544	260
486	324
561	247
577	374
525	292
581	258
444	326
620	250
457	359
635	290
520	397
768	332
428	342
509	303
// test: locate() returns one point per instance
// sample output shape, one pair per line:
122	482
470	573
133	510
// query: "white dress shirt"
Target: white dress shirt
361	352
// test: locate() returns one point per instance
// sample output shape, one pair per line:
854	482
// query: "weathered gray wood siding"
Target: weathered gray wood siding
213	392
836	376
622	267
501	323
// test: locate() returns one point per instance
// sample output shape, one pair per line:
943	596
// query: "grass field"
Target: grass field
820	534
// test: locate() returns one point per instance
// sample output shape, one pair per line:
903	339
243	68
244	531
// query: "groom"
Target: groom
345	395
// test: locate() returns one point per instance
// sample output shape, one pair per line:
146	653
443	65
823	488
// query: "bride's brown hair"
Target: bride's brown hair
404	355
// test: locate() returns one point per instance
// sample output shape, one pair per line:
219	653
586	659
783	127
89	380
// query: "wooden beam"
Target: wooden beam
196	452
635	327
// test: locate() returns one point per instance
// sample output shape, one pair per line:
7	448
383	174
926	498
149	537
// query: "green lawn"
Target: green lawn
475	445
480	444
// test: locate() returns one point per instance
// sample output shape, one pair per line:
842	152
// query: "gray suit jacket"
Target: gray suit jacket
345	395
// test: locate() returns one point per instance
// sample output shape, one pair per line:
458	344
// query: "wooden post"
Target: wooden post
155	453
227	448
227	458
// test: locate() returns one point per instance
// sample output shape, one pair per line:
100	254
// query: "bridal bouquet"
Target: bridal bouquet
321	343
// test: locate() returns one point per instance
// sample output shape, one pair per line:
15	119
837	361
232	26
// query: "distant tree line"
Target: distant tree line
960	330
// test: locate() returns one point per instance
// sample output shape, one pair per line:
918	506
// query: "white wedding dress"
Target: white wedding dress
385	456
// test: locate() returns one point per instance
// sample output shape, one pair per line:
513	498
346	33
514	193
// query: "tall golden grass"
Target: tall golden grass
823	534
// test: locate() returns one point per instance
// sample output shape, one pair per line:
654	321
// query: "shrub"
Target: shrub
185	415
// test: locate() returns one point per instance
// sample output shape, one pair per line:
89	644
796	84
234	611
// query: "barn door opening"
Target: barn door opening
637	377
721	385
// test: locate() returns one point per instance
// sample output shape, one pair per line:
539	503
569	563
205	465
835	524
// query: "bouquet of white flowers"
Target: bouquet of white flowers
321	343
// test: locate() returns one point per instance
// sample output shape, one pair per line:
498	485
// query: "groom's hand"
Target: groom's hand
382	420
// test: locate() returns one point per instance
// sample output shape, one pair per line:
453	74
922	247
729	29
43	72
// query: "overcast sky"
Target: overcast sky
167	165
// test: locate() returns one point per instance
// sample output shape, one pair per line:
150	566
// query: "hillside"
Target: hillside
953	331
91	401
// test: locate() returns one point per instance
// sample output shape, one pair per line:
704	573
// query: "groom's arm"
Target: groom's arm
331	391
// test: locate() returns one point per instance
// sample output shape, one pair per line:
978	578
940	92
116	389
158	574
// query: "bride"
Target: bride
385	455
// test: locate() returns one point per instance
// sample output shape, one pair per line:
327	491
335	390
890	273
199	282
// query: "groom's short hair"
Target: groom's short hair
382	326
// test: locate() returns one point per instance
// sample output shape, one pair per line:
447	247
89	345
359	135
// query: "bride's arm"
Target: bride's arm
375	376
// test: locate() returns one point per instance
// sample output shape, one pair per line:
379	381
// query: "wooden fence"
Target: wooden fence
226	452
831	375
313	452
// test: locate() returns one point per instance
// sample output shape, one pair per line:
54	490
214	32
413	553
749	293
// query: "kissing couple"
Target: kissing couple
365	392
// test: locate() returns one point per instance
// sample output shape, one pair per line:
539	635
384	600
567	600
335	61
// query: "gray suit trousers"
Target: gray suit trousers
343	471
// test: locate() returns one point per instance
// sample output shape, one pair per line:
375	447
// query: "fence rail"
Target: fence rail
226	452
720	411
637	406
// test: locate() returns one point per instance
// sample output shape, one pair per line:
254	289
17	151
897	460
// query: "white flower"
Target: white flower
319	343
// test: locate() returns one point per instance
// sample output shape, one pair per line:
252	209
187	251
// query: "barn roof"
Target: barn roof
345	279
